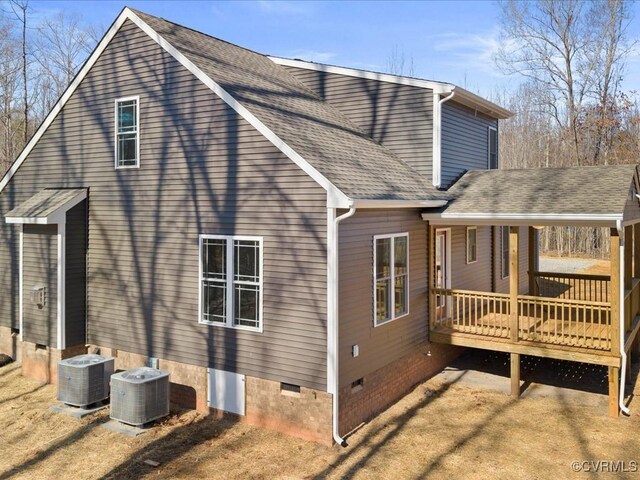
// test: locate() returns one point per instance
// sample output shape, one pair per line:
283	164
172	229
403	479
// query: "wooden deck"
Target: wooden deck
550	327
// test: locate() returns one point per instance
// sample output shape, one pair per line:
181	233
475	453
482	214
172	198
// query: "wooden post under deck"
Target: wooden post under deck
514	280
514	287
636	250
533	287
515	374
614	372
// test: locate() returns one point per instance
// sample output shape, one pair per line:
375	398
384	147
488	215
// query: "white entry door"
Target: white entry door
443	268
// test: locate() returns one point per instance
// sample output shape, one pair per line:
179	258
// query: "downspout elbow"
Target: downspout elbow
334	317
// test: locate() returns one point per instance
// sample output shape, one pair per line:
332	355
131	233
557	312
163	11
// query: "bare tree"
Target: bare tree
573	50
398	64
20	8
62	44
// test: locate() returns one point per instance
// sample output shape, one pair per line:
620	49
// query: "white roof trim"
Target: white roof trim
462	96
520	218
439	87
398	203
55	217
335	197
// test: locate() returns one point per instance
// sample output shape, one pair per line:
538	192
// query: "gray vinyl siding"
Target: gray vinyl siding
75	275
398	116
476	275
40	269
9	267
465	141
204	170
380	345
502	284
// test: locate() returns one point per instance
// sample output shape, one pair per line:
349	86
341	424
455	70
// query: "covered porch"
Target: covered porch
578	317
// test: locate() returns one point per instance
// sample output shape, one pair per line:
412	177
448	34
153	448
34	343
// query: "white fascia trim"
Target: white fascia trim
55	217
398	203
524	219
335	196
467	98
352	72
65	97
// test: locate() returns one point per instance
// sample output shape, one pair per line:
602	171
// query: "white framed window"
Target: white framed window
127	138
492	142
390	277
504	251
472	244
231	281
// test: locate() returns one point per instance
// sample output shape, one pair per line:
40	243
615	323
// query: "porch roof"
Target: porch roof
46	207
597	195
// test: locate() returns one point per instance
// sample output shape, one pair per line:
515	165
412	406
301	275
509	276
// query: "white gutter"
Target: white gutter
623	353
437	136
333	380
397	203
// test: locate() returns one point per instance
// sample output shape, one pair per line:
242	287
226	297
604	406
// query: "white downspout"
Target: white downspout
623	354
437	136
333	381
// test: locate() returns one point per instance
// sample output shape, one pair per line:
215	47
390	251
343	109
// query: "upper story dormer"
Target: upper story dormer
440	129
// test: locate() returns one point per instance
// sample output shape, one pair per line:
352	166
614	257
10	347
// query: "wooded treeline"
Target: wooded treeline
39	57
571	108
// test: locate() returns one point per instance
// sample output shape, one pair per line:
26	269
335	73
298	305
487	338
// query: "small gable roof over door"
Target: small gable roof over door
46	207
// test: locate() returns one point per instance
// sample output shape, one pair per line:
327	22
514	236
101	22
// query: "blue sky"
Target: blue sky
451	41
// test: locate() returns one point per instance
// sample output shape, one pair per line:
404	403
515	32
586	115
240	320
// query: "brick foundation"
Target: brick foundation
10	344
387	385
41	363
188	382
306	415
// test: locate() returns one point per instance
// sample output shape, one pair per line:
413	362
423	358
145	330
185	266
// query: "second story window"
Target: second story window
493	148
127	132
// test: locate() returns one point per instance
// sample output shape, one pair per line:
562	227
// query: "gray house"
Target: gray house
298	244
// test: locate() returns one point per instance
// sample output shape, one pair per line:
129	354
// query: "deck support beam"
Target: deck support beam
515	374
628	256
614	383
615	291
514	280
533	287
614	372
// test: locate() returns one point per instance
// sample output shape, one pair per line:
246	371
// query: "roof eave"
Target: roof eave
523	219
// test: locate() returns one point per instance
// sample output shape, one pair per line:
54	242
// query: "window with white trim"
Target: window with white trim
492	142
231	281
127	132
472	244
504	249
391	277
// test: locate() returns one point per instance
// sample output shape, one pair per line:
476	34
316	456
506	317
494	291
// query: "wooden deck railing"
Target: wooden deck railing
572	286
556	321
468	311
576	323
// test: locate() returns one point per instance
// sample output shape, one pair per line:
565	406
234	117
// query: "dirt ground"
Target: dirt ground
445	428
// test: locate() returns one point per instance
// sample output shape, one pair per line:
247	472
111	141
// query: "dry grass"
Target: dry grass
438	431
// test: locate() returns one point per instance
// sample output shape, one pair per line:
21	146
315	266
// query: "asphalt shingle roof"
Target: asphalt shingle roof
323	136
44	203
596	190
